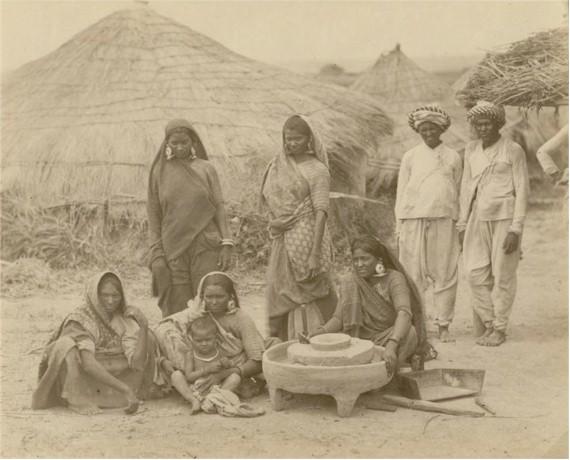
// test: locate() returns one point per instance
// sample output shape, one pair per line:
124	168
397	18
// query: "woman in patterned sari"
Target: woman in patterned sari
295	188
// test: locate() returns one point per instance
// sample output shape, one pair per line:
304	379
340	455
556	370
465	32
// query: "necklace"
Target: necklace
200	358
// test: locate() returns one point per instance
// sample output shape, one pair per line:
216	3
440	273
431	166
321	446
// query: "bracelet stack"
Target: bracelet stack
228	242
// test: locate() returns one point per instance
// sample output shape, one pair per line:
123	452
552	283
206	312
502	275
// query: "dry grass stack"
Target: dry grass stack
82	124
530	73
400	85
524	75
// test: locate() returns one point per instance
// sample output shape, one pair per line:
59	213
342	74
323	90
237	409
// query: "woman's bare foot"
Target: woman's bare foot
495	339
444	334
132	403
84	409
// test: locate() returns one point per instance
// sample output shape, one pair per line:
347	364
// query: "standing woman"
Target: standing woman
296	188
427	209
188	226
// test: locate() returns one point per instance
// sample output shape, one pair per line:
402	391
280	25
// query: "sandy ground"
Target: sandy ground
526	383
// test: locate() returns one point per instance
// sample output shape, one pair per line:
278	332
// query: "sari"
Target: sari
61	379
369	312
293	193
238	339
183	196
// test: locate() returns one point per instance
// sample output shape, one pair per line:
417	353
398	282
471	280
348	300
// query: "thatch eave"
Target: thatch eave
79	120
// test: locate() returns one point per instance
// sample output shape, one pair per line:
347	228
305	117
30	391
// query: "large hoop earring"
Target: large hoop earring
310	150
380	269
168	152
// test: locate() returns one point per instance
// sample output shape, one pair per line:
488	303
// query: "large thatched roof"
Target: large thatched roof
400	85
530	73
84	122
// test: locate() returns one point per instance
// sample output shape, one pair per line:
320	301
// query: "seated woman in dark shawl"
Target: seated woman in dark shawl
378	302
187	220
102	354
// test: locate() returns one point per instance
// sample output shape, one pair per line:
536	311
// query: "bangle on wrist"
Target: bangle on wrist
395	340
228	242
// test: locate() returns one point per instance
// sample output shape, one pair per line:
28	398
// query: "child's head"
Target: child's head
217	291
203	332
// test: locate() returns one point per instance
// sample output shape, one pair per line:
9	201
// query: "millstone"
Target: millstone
358	352
329	342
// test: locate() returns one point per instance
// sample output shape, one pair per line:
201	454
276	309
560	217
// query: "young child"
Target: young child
206	356
205	359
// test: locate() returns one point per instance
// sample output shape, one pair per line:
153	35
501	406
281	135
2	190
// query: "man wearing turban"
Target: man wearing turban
494	193
427	209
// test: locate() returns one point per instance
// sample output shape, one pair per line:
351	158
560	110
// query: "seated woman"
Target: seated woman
377	302
238	340
101	356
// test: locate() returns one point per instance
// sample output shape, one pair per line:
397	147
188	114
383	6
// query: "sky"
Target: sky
296	33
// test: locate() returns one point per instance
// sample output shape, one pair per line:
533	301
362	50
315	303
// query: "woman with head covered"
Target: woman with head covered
295	189
188	226
494	193
427	209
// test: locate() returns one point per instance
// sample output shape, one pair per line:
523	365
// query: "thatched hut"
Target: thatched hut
400	85
84	122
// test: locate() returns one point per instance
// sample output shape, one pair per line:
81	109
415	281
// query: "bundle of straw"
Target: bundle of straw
531	73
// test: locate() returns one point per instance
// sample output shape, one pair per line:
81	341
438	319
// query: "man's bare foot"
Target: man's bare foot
444	334
84	409
495	339
488	331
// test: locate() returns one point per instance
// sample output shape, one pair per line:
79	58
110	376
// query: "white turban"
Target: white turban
432	113
484	109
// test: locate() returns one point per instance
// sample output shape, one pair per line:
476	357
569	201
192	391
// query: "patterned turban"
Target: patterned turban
484	109
432	113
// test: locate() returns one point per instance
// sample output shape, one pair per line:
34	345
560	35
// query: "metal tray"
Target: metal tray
441	384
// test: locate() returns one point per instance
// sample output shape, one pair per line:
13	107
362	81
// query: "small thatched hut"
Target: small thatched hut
84	122
400	85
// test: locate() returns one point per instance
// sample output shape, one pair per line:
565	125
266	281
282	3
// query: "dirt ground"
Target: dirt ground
526	383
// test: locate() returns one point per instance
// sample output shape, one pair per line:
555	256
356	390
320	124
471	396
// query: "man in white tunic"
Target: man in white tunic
427	209
494	194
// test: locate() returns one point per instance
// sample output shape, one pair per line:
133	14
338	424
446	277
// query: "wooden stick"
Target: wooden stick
379	405
428	406
482	404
